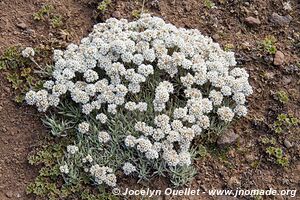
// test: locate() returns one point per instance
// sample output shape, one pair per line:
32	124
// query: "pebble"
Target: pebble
269	75
287	6
281	20
6	89
250	158
278	58
286	80
31	32
116	14
9	194
216	37
233	182
252	21
287	144
227	138
21	25
187	6
204	188
155	4
298	167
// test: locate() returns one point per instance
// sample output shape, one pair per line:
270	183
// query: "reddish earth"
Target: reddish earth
20	126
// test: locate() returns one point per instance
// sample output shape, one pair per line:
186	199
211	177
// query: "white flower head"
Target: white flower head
128	168
102	118
83	127
103	137
64	169
225	114
72	149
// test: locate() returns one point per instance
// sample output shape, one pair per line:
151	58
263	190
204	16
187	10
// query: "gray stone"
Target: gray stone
227	138
21	25
116	14
234	182
286	80
281	20
252	21
9	194
250	158
287	144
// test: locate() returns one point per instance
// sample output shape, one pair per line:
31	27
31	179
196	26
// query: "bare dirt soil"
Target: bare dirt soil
246	165
20	126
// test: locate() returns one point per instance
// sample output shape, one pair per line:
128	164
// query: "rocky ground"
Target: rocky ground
265	34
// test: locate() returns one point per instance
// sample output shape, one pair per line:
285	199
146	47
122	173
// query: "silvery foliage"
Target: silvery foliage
168	83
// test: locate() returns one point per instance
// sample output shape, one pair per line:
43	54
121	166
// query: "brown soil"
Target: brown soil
20	126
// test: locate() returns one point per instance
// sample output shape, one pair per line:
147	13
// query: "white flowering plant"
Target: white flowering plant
135	95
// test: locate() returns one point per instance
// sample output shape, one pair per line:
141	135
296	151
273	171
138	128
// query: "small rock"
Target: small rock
252	21
287	144
154	4
268	58
250	158
116	14
281	20
286	80
187	6
269	75
9	194
287	6
216	37
298	167
233	182
31	32
22	25
229	137
1	108
6	89
278	58
268	178
204	188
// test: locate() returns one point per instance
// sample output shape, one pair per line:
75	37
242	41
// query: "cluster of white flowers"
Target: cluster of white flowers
113	64
132	106
103	137
83	127
102	118
64	169
88	158
72	149
162	95
128	168
103	175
